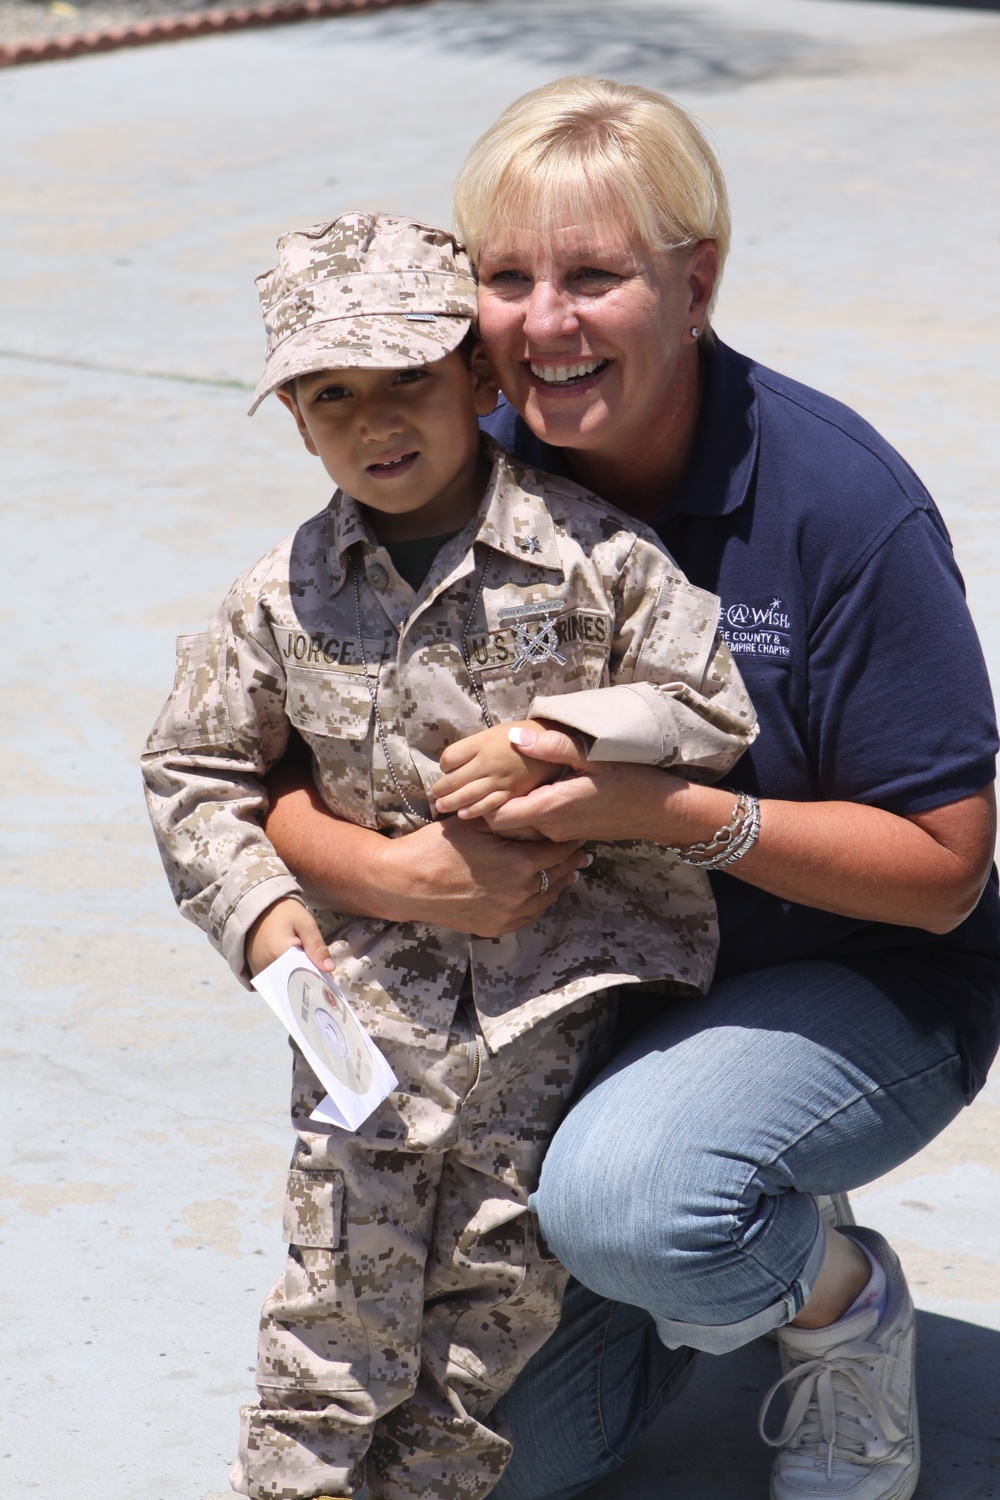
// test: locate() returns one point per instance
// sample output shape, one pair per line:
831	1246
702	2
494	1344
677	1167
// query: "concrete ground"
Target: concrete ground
144	1128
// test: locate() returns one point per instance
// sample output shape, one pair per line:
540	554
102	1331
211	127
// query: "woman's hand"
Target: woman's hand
605	800
452	873
460	875
609	802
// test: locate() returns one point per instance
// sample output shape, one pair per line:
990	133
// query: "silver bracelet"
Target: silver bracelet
729	843
746	842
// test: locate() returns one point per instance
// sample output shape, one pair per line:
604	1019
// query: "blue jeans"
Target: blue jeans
681	1185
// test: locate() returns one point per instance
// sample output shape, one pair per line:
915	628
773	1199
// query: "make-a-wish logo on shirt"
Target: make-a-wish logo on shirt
756	627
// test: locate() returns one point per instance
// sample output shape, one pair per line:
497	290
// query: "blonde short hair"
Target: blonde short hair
594	148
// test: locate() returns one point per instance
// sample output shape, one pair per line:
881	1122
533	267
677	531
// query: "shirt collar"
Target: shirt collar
345	526
512	519
724	457
515	518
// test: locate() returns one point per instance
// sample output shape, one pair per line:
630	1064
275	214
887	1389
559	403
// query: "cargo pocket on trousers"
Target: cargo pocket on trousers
492	1339
312	1337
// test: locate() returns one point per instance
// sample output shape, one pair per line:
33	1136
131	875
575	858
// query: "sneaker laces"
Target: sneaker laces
833	1402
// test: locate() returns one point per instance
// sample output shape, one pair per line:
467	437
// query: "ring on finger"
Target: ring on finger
545	881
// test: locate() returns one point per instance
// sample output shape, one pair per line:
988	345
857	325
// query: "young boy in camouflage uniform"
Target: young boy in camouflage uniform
445	592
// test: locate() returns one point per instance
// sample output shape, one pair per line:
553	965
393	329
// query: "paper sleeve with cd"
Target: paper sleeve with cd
319	1019
331	1029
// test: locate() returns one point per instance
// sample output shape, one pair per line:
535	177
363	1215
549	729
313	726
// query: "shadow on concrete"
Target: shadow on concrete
705	1444
631	40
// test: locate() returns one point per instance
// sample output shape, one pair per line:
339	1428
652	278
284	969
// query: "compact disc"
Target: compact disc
331	1030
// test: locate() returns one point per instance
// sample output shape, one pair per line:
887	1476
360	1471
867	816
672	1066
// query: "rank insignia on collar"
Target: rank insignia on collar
538	643
529	544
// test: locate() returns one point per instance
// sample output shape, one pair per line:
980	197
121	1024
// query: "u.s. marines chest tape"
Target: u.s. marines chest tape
530	635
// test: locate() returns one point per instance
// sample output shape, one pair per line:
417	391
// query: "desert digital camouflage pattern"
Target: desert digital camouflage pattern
598	603
557	600
360	1382
367	291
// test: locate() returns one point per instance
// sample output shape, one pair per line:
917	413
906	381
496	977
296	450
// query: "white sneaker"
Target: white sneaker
851	1430
835	1210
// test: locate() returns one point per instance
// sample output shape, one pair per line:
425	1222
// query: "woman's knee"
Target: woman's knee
669	1168
628	1199
689	1236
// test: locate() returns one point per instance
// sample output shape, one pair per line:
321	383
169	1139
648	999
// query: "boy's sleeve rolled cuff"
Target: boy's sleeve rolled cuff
248	907
631	721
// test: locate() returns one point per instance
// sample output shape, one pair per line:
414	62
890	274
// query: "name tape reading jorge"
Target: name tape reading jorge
300	648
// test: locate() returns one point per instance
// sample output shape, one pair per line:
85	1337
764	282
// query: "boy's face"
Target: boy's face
403	442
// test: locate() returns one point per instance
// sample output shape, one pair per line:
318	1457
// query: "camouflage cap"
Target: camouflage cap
365	291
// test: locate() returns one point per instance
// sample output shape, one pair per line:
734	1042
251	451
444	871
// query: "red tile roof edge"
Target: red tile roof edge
179	28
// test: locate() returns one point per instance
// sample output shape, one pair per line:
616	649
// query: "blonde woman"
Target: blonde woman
855	1006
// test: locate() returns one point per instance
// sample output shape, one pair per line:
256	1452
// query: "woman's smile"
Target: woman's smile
560	372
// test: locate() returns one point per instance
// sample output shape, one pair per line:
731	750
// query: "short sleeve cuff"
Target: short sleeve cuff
940	793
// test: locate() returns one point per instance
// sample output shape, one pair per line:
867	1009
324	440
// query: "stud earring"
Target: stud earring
695	333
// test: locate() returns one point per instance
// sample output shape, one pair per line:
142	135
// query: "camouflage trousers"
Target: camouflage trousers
415	1288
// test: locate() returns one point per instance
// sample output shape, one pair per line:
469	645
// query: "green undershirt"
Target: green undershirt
412	560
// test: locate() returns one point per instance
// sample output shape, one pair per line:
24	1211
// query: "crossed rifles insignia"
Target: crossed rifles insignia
534	631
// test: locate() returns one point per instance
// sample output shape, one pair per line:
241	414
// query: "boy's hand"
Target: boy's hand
285	925
485	770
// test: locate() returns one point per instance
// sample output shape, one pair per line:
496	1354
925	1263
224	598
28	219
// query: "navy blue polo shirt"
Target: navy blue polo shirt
845	611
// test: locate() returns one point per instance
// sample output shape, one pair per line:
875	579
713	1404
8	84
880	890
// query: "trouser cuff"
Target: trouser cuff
723	1338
